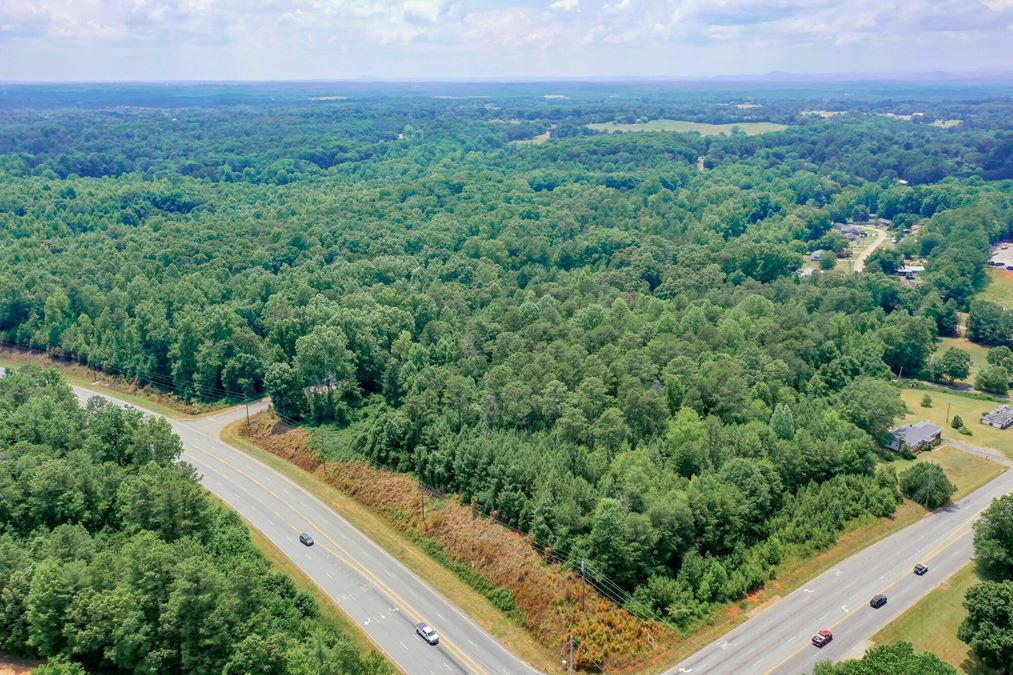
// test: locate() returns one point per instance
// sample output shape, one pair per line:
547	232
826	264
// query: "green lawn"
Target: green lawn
970	411
931	625
999	288
978	352
748	128
967	471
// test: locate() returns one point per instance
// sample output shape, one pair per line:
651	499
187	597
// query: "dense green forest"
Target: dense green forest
590	338
113	557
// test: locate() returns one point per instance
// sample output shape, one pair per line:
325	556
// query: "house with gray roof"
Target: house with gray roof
1000	418
850	229
915	437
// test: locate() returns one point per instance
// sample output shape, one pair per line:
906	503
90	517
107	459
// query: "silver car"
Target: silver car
426	632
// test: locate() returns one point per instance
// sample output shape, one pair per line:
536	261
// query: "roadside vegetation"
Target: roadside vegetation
113	558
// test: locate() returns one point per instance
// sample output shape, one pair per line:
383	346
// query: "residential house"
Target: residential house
915	437
1000	418
910	271
849	229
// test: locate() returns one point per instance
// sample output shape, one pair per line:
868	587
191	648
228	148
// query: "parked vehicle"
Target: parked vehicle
921	569
426	632
823	638
306	539
877	601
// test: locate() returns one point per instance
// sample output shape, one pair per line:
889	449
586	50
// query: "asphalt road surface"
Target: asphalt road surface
381	595
777	640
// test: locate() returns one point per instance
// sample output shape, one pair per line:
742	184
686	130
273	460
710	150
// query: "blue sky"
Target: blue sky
111	40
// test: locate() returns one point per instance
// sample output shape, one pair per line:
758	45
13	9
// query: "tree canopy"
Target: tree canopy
113	558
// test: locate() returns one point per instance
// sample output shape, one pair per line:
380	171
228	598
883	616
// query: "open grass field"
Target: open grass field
999	288
931	625
968	472
970	411
535	140
978	352
704	129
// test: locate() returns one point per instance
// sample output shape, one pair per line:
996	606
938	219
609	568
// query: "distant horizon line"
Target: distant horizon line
775	77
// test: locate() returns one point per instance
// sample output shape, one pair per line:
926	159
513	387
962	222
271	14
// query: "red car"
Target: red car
823	638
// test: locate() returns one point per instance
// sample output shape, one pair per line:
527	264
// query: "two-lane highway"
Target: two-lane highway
380	594
777	640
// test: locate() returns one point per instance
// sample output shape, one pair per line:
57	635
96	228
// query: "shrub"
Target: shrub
927	484
926	401
956	422
993	379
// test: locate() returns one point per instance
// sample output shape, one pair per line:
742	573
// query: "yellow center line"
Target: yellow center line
349	560
949	541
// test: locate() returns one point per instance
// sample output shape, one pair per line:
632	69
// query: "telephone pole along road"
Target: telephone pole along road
376	591
777	640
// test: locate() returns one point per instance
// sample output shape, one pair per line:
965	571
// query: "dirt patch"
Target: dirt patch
762	606
10	665
554	602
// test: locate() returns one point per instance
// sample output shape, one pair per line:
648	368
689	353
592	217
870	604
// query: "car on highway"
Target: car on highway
823	638
921	569
877	601
426	632
306	539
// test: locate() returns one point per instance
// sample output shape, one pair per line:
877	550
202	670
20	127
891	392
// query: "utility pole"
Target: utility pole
246	400
422	498
571	654
583	586
948	412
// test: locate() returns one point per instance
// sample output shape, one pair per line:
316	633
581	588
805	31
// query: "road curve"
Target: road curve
777	640
380	594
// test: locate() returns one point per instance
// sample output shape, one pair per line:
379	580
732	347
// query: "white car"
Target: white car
426	632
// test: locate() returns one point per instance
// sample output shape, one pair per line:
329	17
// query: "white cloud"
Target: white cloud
565	5
513	37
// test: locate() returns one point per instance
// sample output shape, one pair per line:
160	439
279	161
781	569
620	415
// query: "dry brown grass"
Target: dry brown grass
555	602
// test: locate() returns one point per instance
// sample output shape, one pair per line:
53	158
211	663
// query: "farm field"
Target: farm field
748	128
969	409
931	625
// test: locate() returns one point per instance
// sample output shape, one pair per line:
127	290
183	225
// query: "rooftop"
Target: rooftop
915	435
1003	416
